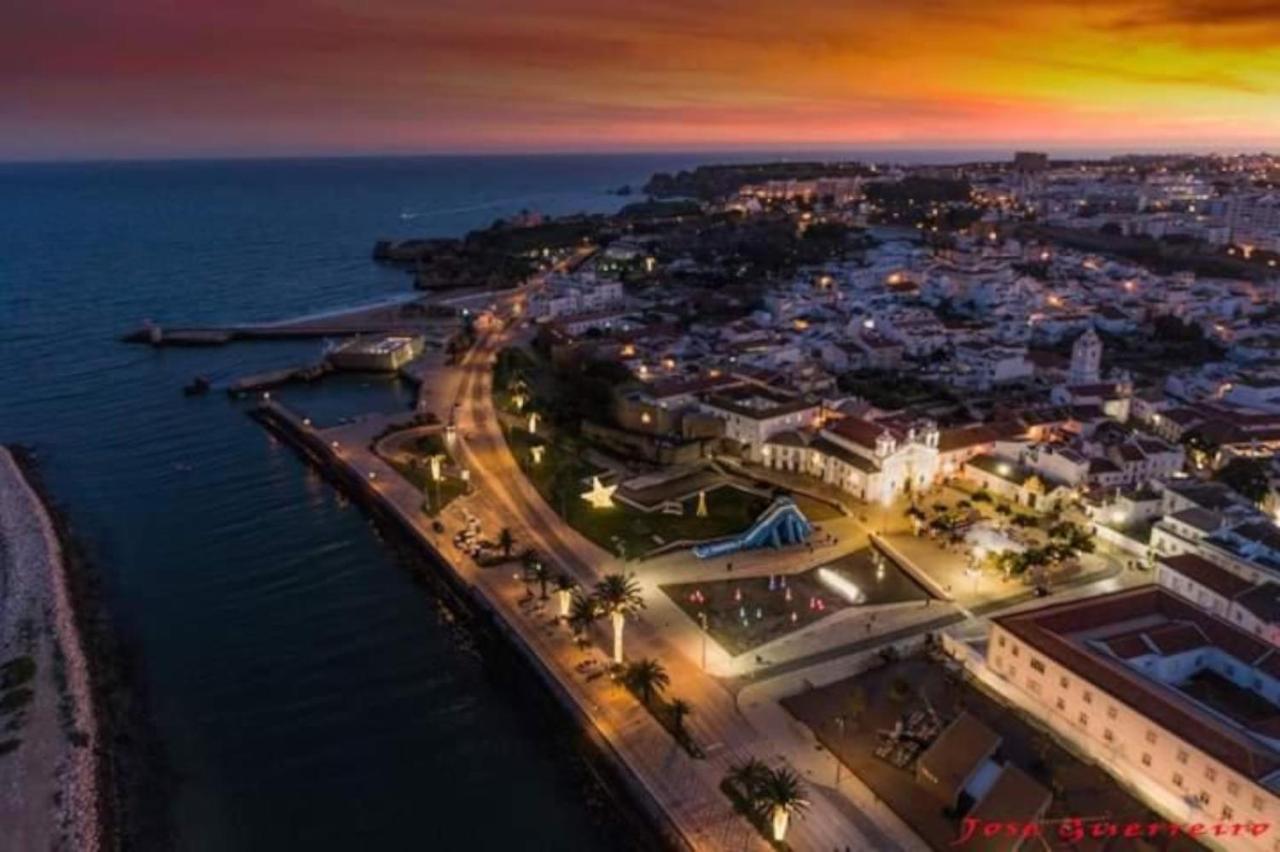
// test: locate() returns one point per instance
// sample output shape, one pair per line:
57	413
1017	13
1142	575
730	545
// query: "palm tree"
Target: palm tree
749	776
779	795
647	677
506	541
583	612
680	710
565	586
619	596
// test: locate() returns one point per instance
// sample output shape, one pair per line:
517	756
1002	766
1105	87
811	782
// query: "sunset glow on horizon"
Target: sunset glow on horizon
150	78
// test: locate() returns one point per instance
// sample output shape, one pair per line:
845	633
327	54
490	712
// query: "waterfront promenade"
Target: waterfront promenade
684	790
726	734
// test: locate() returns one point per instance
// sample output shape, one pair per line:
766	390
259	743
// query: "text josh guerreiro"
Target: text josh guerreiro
1074	829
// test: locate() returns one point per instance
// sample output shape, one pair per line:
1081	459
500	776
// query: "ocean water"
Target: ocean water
306	692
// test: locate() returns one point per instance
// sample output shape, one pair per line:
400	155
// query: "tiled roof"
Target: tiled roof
1207	574
1050	631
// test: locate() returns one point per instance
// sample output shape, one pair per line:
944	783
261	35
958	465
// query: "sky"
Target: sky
172	78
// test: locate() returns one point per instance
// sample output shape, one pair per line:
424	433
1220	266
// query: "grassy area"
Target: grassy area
562	476
435	495
417	470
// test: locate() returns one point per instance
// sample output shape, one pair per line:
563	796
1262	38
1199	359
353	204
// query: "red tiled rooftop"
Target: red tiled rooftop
1050	631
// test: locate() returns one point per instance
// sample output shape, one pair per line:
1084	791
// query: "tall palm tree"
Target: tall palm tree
779	795
565	586
583	612
619	596
680	710
647	677
506	541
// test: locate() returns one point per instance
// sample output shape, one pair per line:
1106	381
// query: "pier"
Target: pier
276	378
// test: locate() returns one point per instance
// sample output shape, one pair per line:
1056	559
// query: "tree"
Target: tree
619	596
1246	476
748	776
565	586
583	612
779	796
647	677
506	541
680	710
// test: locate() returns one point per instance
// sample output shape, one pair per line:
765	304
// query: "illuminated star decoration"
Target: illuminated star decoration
600	496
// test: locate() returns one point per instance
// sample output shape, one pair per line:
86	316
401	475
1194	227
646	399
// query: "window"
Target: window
1227	813
1017	649
1151	737
1107	735
1088	697
1037	665
1063	682
1084	719
1257	804
1146	759
1233	788
1033	685
1210	773
1204	797
1111	711
1177	780
1000	640
1062	704
1182	755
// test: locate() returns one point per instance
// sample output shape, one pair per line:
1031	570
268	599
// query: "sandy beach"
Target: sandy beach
49	796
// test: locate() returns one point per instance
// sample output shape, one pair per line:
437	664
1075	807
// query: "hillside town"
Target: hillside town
1057	381
858	505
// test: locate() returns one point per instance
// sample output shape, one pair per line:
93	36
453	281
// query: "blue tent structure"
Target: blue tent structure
781	524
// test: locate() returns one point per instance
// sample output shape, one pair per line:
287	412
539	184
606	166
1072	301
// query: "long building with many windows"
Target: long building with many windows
1178	702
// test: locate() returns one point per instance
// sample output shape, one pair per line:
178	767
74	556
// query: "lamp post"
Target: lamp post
840	727
702	619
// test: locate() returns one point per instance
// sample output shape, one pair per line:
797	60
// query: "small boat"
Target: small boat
198	387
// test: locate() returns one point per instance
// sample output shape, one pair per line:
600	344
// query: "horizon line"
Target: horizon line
1065	151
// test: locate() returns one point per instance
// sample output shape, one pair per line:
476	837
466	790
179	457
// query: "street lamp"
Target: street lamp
702	619
840	720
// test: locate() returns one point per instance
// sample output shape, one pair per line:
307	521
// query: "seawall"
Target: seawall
482	617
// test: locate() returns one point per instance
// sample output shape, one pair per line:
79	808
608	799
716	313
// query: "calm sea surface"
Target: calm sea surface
307	694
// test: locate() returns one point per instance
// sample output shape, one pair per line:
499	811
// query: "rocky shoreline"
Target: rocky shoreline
108	780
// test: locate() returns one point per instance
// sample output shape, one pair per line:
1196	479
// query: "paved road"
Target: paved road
717	724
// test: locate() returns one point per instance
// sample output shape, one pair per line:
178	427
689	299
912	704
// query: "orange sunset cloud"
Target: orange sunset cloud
149	77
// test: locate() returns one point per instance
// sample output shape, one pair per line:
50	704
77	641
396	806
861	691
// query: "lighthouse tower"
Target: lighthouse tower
1086	359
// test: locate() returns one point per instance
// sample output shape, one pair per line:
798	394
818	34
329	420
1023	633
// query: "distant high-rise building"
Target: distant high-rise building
1086	358
1030	161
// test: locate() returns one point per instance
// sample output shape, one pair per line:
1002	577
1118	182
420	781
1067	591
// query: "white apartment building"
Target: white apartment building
752	415
1147	682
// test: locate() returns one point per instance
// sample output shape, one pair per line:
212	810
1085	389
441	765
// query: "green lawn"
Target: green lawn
435	495
560	478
